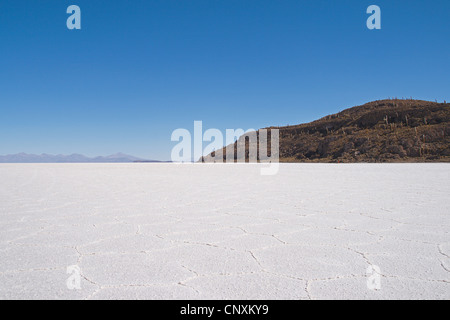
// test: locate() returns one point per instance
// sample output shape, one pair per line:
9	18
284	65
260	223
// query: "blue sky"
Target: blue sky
137	70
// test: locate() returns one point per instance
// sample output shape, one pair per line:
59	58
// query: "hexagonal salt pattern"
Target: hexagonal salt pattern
167	231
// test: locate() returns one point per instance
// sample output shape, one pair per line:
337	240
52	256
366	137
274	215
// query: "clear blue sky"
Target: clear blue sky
139	69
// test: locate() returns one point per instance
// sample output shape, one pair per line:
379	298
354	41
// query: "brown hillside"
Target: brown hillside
379	131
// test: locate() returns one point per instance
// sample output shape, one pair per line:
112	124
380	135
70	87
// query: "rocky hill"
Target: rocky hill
379	131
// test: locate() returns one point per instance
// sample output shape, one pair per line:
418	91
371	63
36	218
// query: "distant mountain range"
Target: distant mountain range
393	130
73	158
